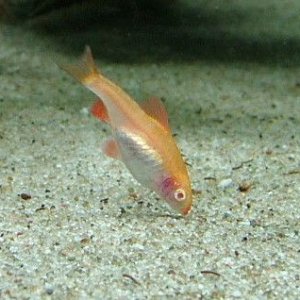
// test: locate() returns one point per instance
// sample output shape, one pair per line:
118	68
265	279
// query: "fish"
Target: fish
141	135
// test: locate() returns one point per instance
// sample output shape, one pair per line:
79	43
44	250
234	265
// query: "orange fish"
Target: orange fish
141	136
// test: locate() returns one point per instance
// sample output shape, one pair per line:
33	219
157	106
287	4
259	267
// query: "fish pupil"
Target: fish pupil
179	195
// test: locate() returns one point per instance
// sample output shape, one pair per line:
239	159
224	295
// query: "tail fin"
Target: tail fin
85	70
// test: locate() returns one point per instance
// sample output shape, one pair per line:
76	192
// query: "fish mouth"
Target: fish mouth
186	210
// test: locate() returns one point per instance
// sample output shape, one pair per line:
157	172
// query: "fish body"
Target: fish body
141	136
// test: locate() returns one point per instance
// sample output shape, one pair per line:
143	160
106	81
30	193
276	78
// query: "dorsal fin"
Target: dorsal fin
156	109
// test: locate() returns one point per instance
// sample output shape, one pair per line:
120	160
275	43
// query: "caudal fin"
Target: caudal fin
85	70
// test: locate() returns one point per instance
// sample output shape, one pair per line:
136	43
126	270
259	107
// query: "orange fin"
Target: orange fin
111	148
99	111
156	109
85	70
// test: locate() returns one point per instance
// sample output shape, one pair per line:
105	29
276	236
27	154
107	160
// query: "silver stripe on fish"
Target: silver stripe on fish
143	161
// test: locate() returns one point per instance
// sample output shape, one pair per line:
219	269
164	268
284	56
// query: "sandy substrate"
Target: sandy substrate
74	224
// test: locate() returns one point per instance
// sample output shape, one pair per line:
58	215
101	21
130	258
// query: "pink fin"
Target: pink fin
111	149
99	111
156	109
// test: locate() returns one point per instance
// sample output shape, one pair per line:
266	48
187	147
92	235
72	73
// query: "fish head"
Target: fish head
177	194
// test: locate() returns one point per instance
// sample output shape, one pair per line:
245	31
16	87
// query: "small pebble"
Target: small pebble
25	196
236	294
244	186
49	290
225	183
85	111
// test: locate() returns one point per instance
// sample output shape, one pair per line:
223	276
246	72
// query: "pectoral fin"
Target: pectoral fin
111	149
99	111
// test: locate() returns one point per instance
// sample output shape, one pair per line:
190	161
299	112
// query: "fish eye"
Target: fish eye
179	195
